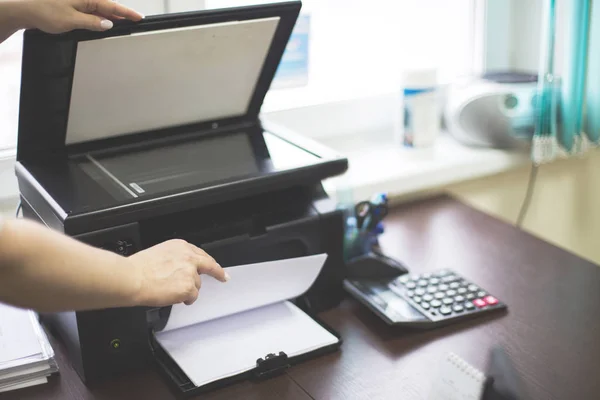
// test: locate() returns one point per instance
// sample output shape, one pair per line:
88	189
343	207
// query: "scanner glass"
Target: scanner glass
194	164
111	178
177	166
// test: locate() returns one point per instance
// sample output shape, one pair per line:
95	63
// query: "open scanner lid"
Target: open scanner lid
158	116
195	69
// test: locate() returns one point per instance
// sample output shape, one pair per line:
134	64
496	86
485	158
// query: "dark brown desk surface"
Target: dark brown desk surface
552	330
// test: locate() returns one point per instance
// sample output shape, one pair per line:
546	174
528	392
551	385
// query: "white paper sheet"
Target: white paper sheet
231	345
153	80
251	286
18	337
22	385
34	370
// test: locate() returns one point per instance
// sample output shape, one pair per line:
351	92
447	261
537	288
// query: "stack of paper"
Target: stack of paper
26	357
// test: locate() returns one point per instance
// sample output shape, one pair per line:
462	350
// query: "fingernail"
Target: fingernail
227	277
106	24
143	16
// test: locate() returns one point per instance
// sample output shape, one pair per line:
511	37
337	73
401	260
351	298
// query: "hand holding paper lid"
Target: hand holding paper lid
60	16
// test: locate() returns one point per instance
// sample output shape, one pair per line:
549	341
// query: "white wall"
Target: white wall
521	48
564	208
513	35
497	46
146	7
8	208
526	37
150	7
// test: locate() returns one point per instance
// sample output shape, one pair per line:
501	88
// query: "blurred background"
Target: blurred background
423	96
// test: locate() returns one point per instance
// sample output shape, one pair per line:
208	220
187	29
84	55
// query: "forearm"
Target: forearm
12	17
47	271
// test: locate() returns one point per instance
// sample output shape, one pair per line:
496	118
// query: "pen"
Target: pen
362	209
366	224
378	213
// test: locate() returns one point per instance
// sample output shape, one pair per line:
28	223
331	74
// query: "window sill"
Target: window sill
361	130
9	191
377	164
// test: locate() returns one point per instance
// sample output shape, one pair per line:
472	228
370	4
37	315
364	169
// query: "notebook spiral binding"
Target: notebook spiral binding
467	368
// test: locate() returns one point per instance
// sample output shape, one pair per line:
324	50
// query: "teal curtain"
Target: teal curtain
568	118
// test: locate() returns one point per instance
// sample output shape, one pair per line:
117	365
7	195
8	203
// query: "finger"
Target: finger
198	281
201	252
112	17
108	8
206	265
91	22
191	298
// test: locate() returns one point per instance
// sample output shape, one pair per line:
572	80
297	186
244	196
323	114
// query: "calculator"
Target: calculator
426	300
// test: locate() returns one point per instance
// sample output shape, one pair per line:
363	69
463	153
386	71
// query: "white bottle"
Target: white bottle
418	119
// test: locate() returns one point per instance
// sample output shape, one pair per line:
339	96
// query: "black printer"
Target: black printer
151	131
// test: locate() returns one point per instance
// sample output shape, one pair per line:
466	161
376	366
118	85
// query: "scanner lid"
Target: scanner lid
195	69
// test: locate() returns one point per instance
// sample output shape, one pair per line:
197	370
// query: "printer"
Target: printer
151	131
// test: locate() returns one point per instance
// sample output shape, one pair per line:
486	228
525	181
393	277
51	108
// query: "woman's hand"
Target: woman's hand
170	273
50	272
59	16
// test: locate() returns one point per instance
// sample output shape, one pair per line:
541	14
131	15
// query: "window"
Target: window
10	79
357	48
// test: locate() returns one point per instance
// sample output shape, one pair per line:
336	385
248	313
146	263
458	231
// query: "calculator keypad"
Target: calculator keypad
443	294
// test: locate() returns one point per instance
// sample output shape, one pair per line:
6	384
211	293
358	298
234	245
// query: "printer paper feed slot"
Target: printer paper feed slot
251	286
230	346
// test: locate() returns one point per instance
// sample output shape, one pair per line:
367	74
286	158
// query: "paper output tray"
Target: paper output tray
268	365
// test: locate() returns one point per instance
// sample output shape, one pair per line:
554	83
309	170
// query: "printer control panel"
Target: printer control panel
123	240
122	247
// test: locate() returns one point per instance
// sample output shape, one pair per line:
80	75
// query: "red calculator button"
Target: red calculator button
491	300
479	303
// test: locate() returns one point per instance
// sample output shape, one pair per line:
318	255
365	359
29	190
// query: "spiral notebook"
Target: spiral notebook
458	380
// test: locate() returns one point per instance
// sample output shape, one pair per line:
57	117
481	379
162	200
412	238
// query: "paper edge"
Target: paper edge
288	303
325	256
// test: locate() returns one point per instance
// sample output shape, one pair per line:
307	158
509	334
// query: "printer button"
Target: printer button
122	247
115	344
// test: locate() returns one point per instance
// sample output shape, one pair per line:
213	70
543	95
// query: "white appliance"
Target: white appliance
494	111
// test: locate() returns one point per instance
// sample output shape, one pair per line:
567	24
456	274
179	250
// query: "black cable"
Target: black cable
18	210
528	195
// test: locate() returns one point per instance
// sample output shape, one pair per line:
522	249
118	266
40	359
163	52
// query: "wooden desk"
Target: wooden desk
552	330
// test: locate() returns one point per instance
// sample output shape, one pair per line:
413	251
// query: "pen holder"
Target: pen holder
363	256
358	242
361	233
